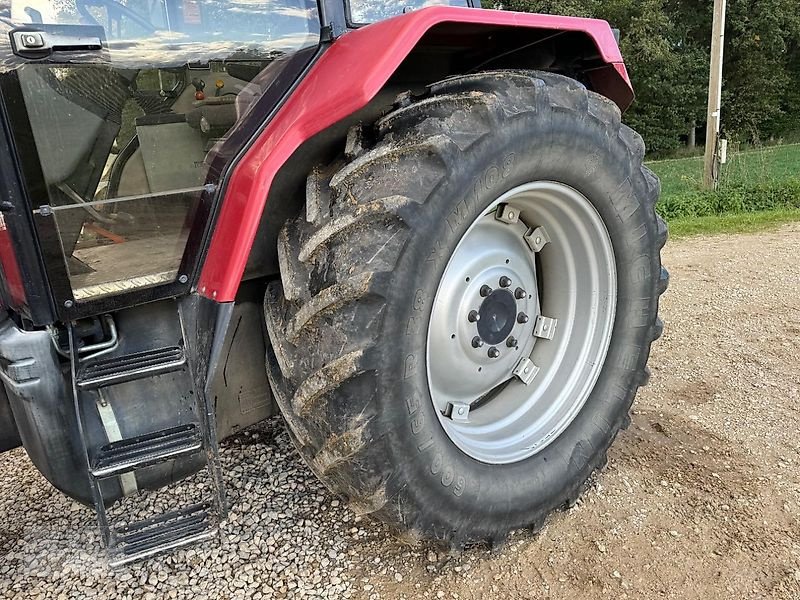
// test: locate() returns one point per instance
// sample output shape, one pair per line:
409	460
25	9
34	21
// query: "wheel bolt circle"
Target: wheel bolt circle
485	290
505	282
522	318
511	342
477	342
473	316
494	352
519	293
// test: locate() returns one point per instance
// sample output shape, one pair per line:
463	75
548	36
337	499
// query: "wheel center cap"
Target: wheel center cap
498	313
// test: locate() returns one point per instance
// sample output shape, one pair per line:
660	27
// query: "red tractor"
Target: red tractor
421	234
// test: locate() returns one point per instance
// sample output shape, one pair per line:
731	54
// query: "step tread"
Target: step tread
127	367
146	450
161	533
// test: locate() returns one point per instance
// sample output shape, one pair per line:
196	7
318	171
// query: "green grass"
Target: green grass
732	223
776	163
758	189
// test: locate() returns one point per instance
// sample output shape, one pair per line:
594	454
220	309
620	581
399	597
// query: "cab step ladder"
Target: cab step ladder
132	541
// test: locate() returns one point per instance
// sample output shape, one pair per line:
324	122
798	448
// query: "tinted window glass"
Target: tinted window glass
370	11
130	139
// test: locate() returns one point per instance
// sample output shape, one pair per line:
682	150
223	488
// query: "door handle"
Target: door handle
38	44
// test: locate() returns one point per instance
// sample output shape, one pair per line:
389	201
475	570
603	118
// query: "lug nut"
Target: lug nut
511	342
485	290
522	318
473	316
477	342
519	293
505	282
494	352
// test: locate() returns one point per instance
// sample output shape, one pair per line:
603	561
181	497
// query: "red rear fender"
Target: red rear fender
350	74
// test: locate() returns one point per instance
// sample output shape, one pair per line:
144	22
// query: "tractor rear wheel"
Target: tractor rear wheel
466	309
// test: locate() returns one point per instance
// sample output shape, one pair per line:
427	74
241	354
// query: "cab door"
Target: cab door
124	116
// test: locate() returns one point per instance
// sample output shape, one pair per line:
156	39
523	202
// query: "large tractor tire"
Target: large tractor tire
466	309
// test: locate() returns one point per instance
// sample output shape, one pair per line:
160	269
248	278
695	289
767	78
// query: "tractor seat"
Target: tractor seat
213	116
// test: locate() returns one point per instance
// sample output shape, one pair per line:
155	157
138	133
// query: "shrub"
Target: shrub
731	199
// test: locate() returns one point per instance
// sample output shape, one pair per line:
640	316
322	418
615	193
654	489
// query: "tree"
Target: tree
756	66
665	68
666	71
572	8
666	44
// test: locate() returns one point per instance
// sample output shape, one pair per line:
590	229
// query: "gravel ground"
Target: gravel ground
701	498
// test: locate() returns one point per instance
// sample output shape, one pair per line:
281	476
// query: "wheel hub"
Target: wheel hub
497	317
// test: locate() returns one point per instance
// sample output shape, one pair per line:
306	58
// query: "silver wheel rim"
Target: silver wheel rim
502	400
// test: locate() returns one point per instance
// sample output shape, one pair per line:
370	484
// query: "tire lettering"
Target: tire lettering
412	403
448	476
487	181
436	465
477	185
435	251
492	177
417	423
458	215
636	234
623	201
508	163
639	313
643	273
425	445
412	326
419	300
460	485
410	366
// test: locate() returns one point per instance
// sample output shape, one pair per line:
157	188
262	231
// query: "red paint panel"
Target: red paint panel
8	262
347	76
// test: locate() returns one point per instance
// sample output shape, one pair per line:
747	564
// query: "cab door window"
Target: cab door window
124	144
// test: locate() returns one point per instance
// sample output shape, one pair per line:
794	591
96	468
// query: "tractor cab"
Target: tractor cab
124	116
